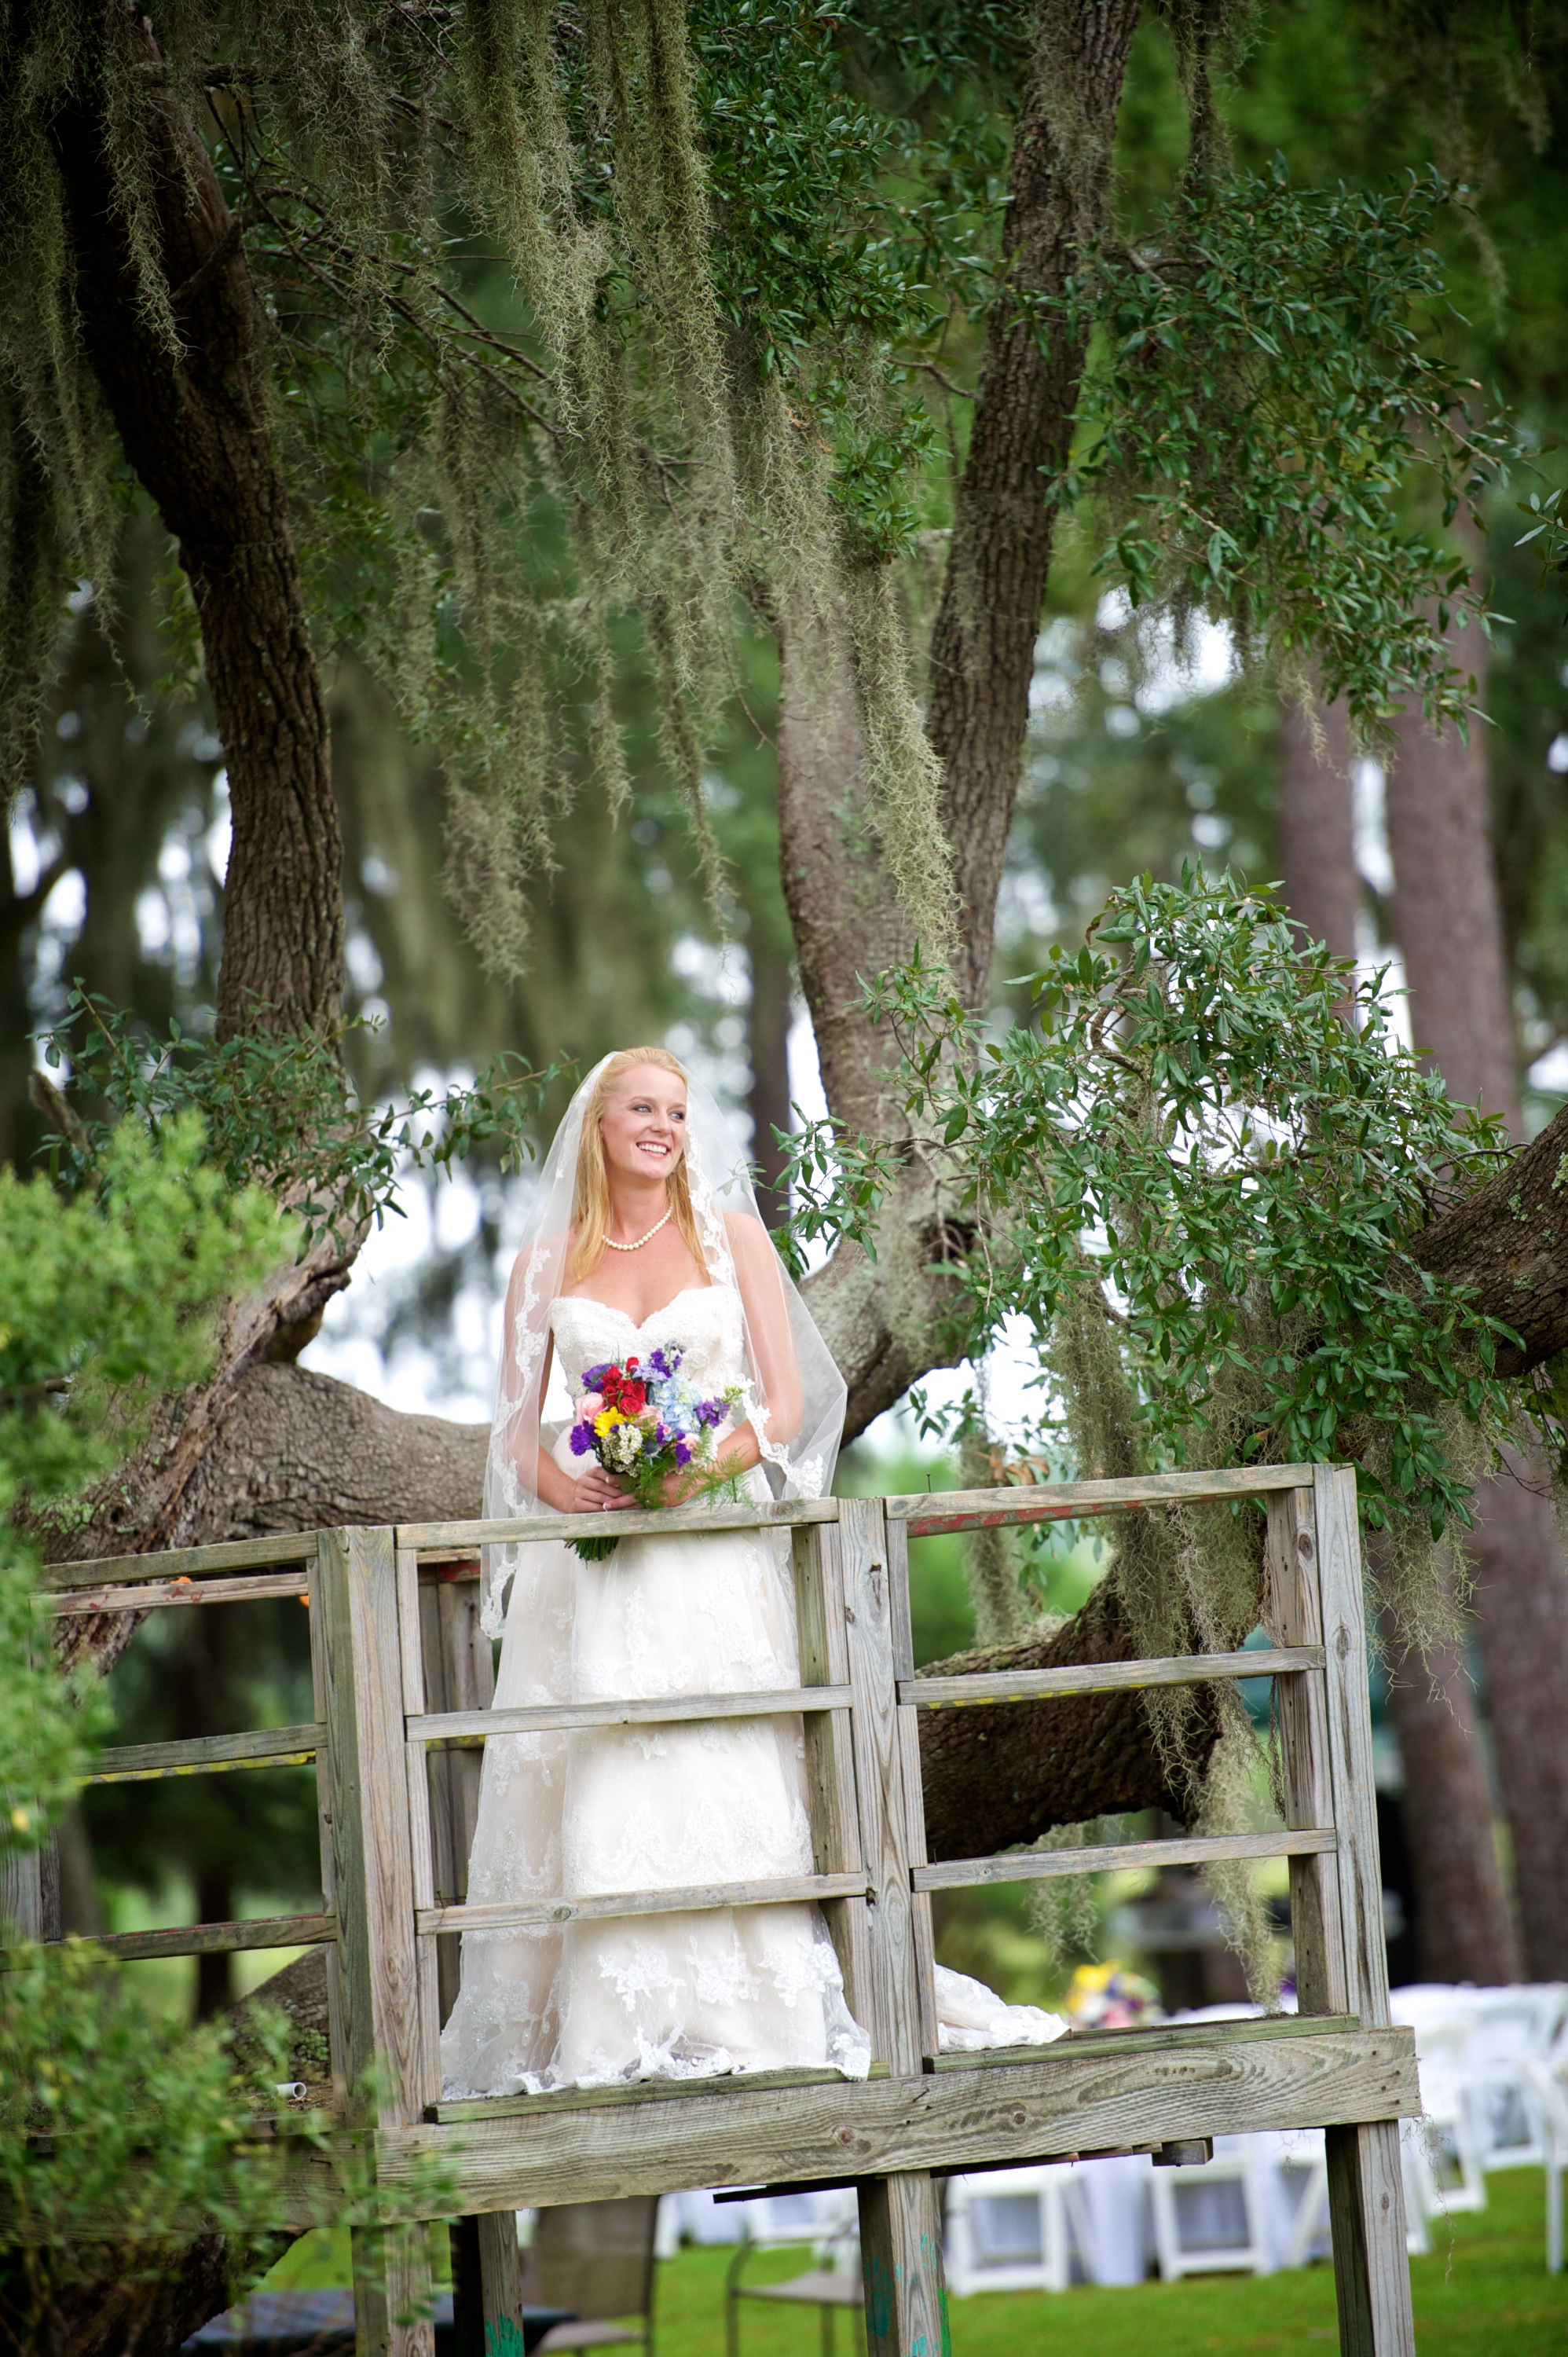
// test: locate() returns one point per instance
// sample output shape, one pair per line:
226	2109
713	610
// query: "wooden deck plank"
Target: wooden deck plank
1183	1849
691	1898
1105	1677
443	1726
1059	2104
207	1755
927	1512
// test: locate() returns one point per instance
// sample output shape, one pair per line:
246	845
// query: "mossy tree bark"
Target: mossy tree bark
982	647
196	426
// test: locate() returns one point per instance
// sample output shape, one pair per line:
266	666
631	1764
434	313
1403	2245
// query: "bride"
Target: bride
645	1235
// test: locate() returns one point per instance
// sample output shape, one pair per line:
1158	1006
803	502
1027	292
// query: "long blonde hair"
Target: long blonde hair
591	1190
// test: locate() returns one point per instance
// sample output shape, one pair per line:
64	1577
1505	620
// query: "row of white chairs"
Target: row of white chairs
1494	2079
1260	2204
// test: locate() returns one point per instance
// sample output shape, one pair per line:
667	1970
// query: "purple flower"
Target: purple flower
711	1412
582	1440
683	1454
594	1377
665	1362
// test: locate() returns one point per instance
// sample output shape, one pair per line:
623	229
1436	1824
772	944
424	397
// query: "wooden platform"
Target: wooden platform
403	1689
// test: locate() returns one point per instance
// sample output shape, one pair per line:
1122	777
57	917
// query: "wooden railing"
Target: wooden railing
402	1684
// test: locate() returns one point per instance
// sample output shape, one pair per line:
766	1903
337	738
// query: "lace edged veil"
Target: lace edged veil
798	1462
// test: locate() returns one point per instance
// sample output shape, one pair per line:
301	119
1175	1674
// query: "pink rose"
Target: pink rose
589	1406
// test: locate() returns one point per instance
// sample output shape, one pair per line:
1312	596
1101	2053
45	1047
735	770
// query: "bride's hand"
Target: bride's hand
597	1492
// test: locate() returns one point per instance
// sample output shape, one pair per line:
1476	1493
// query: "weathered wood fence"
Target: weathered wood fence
402	1685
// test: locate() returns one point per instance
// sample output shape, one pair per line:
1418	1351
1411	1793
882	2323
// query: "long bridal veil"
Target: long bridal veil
798	1464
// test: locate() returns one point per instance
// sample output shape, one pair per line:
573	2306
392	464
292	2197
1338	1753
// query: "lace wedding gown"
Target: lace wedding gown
647	1808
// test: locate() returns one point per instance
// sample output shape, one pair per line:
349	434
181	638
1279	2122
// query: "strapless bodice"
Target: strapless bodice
702	1322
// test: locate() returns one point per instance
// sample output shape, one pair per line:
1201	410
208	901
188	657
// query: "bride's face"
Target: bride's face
643	1126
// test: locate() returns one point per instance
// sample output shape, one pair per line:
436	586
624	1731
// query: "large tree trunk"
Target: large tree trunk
880	1318
1461	1909
1463	1929
1448	923
196	425
982	646
883	1321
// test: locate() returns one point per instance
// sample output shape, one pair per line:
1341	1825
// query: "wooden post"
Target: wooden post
830	1756
1292	1616
900	2223
922	1931
457	1673
373	1871
901	2252
1366	2186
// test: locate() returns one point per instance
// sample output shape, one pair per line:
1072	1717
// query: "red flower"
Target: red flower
632	1398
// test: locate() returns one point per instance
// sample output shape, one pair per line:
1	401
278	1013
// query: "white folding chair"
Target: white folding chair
1454	2148
1549	2093
1307	2162
1507	2031
1210	2218
1015	2230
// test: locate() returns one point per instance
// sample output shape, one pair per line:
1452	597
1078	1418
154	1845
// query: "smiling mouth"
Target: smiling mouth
648	1146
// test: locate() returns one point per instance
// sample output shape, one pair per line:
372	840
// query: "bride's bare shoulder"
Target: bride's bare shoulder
546	1255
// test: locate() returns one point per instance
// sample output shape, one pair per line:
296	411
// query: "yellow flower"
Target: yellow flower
20	1820
606	1420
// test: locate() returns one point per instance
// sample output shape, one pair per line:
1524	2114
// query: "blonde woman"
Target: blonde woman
645	1235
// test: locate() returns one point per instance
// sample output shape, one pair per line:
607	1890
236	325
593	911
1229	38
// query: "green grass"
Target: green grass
1484	2292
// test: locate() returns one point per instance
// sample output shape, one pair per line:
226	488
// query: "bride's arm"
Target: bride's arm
537	1472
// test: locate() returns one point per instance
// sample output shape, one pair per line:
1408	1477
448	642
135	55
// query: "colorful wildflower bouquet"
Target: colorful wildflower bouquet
643	1422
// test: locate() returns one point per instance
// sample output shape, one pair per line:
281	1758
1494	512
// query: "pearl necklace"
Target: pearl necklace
647	1239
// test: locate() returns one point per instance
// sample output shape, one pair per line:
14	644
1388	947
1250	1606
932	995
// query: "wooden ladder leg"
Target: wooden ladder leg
356	1631
392	2292
1366	2215
1366	2182
901	2254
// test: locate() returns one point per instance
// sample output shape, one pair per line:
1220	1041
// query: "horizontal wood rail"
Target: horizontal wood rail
212	1939
1160	2038
636	2090
1106	1677
690	1899
665	1522
1056	2101
655	1710
1060	1502
182	1563
1198	1849
240	1589
208	1755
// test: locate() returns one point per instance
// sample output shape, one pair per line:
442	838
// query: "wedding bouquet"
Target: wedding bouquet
644	1421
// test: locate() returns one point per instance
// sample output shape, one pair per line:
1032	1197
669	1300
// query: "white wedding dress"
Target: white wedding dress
648	1808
